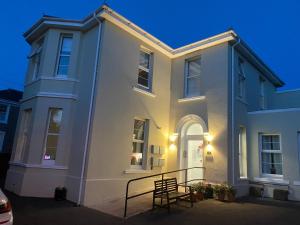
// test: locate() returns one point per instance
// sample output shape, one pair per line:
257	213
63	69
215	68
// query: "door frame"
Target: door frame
181	128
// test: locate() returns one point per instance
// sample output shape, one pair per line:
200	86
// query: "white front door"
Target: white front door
194	156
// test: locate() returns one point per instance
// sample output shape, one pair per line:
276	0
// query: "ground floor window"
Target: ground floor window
52	135
139	143
271	154
24	134
242	152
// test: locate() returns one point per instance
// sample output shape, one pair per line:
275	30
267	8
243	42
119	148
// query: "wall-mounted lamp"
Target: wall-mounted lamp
173	139
208	137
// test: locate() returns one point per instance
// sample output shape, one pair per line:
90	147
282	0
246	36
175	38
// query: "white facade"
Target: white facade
108	97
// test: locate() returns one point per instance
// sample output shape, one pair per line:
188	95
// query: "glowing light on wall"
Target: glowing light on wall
173	139
208	137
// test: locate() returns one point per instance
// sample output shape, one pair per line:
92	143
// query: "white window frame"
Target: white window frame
262	99
44	161
186	75
6	113
37	54
241	79
147	70
145	146
276	176
242	151
59	55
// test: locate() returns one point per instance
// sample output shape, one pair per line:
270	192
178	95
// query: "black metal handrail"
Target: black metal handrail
162	178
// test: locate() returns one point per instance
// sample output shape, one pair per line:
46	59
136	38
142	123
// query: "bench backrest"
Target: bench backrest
168	185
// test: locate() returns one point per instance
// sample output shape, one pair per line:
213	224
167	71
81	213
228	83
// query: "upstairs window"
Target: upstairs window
271	155
241	80
37	59
144	75
192	77
139	143
52	135
64	56
4	112
262	93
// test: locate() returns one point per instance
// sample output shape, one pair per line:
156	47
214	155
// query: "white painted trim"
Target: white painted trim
190	99
274	111
136	171
144	92
51	95
286	91
296	183
57	78
41	166
271	180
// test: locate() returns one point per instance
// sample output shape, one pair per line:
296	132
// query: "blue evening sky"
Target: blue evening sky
271	28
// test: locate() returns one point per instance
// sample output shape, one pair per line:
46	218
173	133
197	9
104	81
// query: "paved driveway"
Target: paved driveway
37	211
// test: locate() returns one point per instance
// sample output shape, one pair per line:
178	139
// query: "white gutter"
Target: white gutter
90	109
233	109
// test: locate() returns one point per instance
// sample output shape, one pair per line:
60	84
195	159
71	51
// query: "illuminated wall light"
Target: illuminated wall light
172	147
173	137
208	137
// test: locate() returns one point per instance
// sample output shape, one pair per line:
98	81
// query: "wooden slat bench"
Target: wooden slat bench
167	190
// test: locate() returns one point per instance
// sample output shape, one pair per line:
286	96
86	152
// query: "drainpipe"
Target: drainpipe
91	106
233	108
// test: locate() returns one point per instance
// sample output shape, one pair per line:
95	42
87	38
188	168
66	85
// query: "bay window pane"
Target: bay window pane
64	56
53	133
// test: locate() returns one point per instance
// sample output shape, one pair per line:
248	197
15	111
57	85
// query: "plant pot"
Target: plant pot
194	197
230	197
280	194
199	196
221	196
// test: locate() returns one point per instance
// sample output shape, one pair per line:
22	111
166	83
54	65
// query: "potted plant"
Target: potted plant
220	191
230	193
209	191
200	190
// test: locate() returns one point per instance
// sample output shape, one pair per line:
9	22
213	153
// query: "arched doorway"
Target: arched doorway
191	129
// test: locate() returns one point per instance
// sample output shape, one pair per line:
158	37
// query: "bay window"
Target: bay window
64	56
52	135
271	154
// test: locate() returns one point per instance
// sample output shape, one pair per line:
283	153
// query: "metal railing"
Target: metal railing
162	178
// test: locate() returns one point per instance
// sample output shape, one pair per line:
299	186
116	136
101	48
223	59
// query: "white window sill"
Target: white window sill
243	178
274	180
148	93
41	166
189	99
57	78
296	183
136	171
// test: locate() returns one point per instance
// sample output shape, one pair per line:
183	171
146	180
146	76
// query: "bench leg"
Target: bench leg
153	202
168	203
191	199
